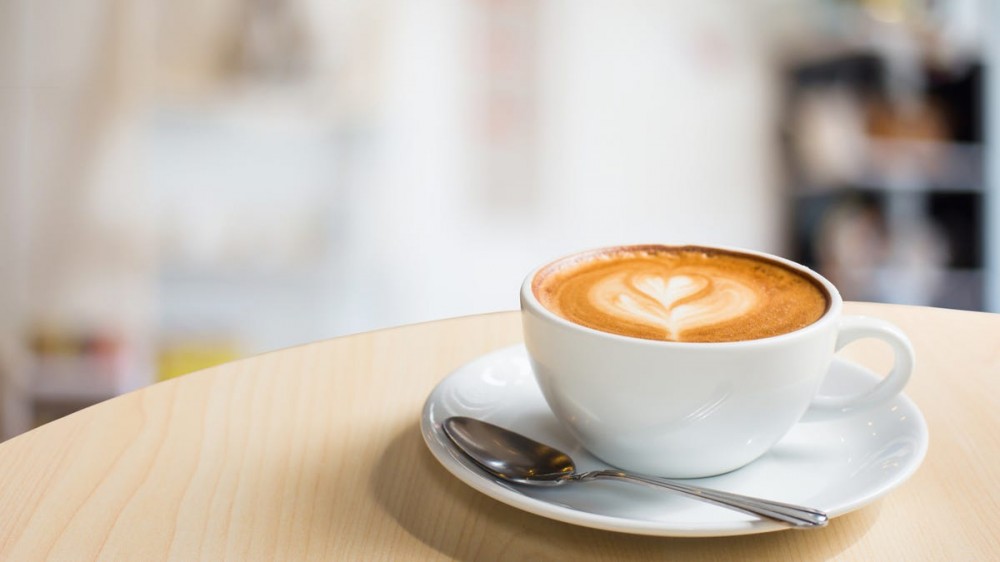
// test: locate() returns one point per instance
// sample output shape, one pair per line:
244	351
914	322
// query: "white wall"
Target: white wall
655	123
646	121
658	124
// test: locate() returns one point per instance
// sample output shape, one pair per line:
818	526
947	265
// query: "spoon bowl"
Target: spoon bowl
515	458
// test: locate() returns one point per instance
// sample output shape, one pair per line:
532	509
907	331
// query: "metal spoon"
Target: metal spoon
516	458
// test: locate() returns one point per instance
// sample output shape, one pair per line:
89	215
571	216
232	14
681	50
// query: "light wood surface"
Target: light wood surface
314	452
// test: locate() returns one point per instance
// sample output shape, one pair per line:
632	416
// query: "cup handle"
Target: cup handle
855	328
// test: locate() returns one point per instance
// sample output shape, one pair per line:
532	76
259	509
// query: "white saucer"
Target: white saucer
837	466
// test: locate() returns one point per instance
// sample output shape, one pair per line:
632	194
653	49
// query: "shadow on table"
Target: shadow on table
461	523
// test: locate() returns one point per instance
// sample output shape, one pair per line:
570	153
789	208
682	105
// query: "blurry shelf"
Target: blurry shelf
961	288
73	379
240	275
956	288
927	165
915	166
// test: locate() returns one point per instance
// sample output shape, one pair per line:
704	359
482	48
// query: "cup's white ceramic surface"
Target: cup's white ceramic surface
688	410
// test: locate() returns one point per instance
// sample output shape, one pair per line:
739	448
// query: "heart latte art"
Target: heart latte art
676	303
680	294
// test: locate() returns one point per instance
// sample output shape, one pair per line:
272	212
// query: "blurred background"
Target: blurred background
188	182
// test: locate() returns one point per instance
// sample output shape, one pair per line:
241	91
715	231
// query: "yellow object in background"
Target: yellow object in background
181	358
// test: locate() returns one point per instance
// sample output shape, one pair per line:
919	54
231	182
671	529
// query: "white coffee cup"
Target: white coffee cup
688	410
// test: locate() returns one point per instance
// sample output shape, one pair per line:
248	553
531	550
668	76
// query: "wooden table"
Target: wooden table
314	452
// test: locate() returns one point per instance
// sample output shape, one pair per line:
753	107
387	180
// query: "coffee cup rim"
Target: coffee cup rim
833	310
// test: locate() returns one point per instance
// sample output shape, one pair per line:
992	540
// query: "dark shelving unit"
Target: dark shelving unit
886	177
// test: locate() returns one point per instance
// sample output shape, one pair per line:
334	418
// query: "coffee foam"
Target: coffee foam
686	294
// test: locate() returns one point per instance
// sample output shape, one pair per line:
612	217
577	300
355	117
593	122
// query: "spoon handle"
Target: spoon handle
794	515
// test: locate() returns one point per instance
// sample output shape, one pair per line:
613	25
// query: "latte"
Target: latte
685	294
